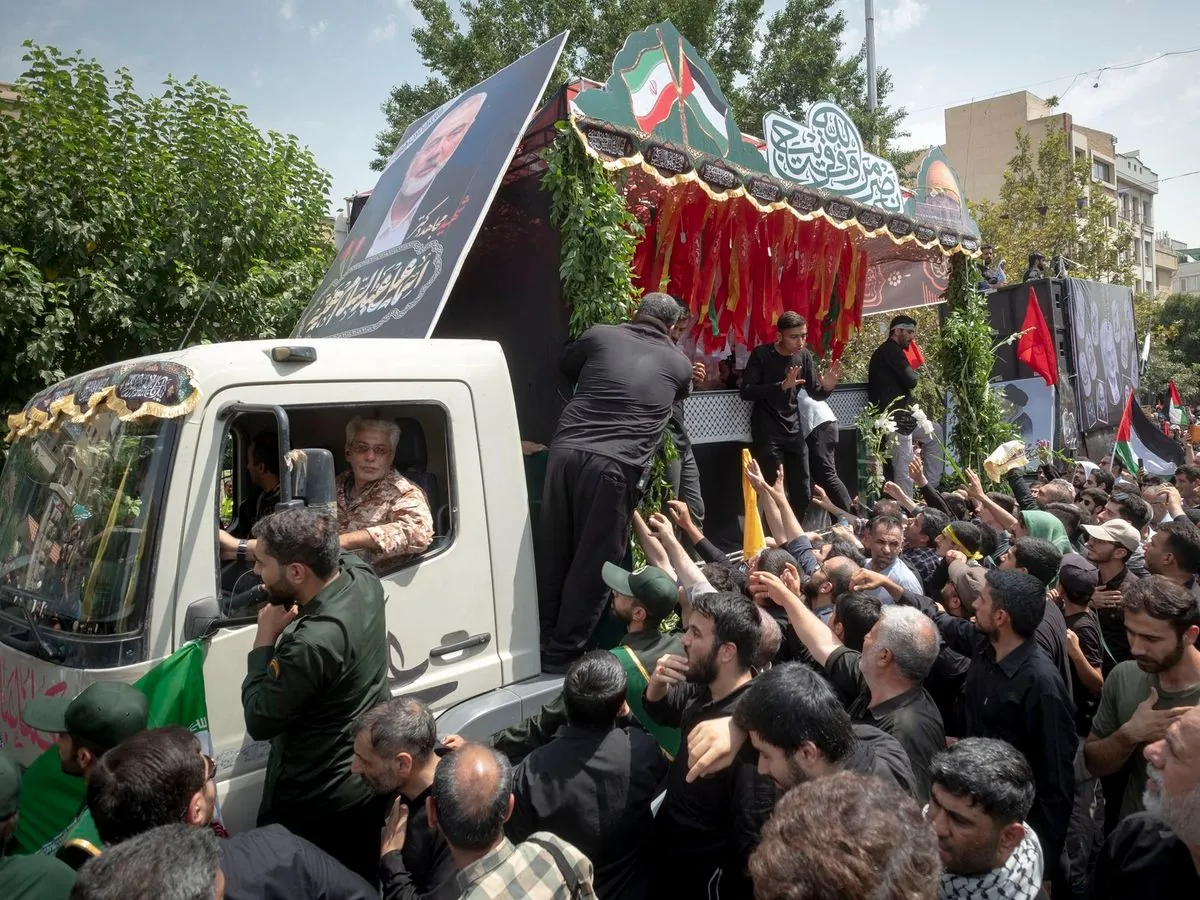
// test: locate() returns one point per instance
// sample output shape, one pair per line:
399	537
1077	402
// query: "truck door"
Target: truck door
440	612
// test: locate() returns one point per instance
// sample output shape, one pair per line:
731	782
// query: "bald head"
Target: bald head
472	797
840	571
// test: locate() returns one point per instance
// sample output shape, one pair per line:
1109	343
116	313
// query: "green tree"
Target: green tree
798	64
132	225
1049	203
1174	327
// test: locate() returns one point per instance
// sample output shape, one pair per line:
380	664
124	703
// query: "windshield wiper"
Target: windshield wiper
47	652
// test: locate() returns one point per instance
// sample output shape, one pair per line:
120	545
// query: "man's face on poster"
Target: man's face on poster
440	144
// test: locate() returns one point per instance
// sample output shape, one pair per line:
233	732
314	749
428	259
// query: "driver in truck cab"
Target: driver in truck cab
382	516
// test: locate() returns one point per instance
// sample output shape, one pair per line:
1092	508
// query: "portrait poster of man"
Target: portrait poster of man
398	265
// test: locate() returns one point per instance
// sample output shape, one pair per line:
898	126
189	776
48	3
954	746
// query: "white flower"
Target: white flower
885	424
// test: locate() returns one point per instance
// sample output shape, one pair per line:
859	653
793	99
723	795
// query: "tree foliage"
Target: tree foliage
1049	204
131	225
1174	326
798	62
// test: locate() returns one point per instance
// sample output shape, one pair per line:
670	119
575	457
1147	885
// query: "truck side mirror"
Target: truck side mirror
313	478
199	617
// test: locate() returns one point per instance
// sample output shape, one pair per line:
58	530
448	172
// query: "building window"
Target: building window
1146	246
1101	171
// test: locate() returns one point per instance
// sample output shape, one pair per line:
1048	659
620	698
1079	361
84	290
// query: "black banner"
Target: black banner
399	262
1105	350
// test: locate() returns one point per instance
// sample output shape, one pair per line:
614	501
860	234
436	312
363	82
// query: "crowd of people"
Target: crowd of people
950	694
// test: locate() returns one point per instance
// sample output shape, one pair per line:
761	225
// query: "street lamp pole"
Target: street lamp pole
872	99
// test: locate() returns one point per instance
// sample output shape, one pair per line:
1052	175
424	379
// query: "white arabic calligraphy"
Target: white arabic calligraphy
826	151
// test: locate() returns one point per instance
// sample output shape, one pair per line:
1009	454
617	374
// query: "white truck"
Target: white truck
113	493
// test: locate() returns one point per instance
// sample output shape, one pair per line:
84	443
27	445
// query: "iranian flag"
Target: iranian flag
1176	412
652	87
1138	439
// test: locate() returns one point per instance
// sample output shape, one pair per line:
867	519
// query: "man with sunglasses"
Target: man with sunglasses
162	777
382	516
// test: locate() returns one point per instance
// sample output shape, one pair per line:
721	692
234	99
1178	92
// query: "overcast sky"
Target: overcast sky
320	69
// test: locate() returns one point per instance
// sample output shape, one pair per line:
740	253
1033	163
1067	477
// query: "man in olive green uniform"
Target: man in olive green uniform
319	662
34	877
641	600
86	727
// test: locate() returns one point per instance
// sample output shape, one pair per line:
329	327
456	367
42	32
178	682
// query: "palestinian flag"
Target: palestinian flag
652	87
706	104
1138	439
1177	412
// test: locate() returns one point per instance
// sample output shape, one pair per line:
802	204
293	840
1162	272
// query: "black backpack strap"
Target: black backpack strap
564	867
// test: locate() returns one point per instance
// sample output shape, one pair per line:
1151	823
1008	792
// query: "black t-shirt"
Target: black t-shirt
774	417
1143	858
628	378
1085	628
271	863
1112	624
890	377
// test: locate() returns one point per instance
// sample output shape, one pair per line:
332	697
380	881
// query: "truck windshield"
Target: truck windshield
78	506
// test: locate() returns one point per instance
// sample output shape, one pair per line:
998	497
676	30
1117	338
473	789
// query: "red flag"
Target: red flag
916	358
1036	346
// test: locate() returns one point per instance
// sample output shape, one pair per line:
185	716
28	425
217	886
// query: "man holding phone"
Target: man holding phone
319	662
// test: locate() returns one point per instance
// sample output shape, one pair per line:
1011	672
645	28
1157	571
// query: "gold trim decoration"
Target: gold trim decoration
155	389
637	160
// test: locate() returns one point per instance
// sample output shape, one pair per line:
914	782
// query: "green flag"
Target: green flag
52	802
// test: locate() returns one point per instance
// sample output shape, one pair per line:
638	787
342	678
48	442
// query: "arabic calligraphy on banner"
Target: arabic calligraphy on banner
826	152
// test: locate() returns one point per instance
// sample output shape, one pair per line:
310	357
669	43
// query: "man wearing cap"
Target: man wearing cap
890	383
87	726
1109	547
30	877
641	599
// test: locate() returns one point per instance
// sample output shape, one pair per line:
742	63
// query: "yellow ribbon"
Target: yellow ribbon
948	534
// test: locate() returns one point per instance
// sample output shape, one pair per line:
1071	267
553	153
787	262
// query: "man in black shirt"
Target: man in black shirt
627	379
774	373
1109	547
1076	583
707	828
890	383
395	754
1041	559
683	473
882	685
1159	850
593	784
1013	692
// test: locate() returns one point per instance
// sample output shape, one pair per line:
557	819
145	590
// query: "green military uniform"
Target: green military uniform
639	653
304	695
34	877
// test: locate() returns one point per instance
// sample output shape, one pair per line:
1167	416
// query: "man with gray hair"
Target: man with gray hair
395	753
172	862
470	802
626	379
382	516
882	685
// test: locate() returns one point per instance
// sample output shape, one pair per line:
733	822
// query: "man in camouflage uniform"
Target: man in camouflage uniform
382	516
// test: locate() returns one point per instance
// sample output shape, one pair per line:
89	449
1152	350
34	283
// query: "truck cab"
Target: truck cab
109	516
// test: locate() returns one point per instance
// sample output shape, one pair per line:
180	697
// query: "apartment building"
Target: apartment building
981	139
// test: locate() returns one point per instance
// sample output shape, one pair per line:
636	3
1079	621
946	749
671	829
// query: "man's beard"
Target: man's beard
1154	666
280	593
705	670
975	861
1180	814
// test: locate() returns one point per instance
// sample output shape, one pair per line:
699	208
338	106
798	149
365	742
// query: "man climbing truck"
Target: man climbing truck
118	481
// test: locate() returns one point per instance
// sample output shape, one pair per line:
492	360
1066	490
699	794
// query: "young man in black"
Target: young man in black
890	383
707	828
774	373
